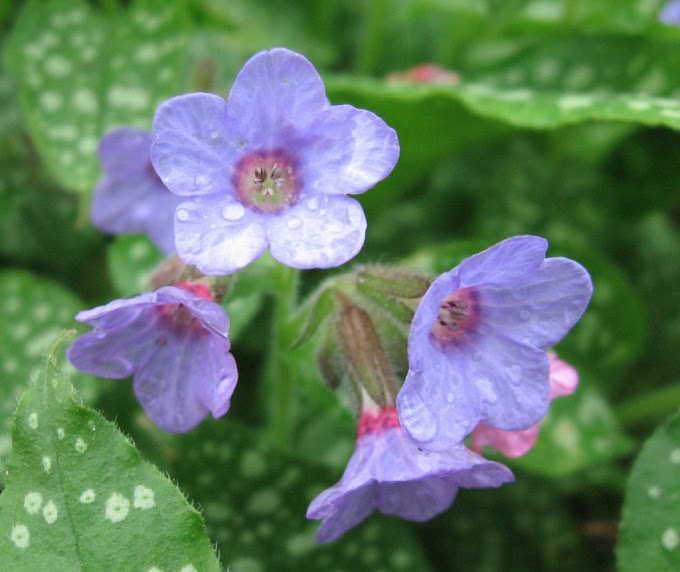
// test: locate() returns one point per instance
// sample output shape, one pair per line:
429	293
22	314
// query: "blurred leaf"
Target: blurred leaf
579	432
650	534
79	496
255	500
83	73
33	311
131	262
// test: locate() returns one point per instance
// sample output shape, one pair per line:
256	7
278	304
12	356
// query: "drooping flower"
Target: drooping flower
391	474
130	197
270	167
513	444
477	342
174	341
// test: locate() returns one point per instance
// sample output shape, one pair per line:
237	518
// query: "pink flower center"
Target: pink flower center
177	317
377	422
458	314
267	181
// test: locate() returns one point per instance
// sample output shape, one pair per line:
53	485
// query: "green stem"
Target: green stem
279	395
372	36
650	406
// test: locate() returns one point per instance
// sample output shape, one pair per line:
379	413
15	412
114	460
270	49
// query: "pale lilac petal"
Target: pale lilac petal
439	406
508	261
321	232
512	444
276	91
512	381
130	197
348	150
216	244
390	473
563	377
542	308
194	145
125	149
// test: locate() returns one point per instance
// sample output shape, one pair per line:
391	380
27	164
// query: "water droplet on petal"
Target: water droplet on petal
524	315
416	418
515	374
313	203
294	222
487	392
449	397
223	386
202	183
182	215
214	134
233	211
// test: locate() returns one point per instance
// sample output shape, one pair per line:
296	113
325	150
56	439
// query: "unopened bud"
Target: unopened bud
365	355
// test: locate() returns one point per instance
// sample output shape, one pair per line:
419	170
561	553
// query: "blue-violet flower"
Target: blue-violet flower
270	167
670	13
477	343
389	473
174	341
130	197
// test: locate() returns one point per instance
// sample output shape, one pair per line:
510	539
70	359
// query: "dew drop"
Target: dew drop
449	397
182	215
416	418
524	315
515	374
233	211
223	386
293	223
202	184
214	134
313	203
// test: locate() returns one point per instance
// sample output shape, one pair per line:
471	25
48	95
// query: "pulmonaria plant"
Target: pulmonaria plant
270	167
175	342
477	342
388	472
513	444
130	197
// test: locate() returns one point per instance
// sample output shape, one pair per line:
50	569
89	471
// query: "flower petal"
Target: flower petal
194	144
217	235
508	261
563	377
512	380
542	308
320	232
125	149
275	90
438	406
347	150
512	444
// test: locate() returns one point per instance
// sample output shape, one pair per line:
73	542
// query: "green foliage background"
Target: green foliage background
563	123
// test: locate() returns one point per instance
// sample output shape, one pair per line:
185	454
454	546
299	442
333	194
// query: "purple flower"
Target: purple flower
174	341
389	473
130	198
270	167
477	341
670	13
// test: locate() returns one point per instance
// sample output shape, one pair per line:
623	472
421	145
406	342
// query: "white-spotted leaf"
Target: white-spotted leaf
650	526
79	496
83	72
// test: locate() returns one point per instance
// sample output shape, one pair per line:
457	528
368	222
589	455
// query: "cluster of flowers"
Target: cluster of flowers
217	183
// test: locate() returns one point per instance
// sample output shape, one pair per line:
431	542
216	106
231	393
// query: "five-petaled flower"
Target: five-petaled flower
130	198
513	444
477	343
174	341
388	472
270	167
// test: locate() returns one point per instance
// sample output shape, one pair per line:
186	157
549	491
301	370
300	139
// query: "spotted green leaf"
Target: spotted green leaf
33	310
650	526
79	496
255	499
579	431
83	72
